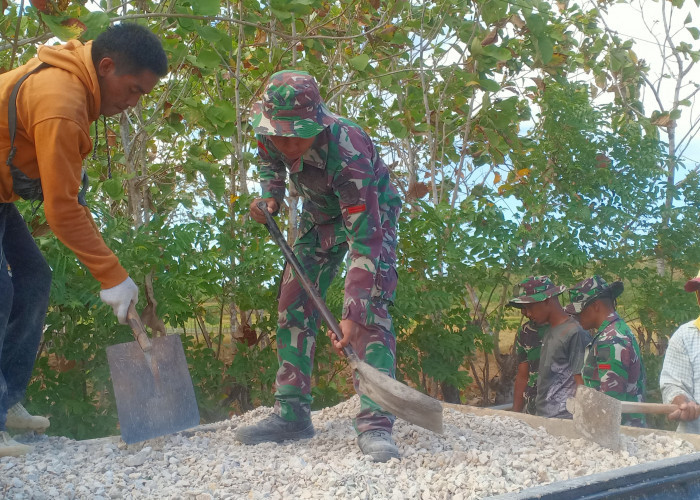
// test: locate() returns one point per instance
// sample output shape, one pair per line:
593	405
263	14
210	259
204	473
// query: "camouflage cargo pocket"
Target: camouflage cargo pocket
385	282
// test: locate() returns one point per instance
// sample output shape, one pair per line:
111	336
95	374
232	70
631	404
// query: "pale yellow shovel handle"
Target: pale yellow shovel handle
648	408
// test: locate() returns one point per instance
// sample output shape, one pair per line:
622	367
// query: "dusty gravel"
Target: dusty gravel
475	458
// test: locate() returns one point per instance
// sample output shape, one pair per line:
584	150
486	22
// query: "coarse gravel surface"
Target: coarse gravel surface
478	456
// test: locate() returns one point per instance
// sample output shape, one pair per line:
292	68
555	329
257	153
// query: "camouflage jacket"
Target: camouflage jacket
348	196
528	344
614	365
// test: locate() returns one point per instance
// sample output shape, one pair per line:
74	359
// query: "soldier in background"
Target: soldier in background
563	345
350	206
528	344
613	363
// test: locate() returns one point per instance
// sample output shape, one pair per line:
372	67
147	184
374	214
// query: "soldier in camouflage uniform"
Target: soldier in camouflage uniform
613	363
563	344
528	343
350	207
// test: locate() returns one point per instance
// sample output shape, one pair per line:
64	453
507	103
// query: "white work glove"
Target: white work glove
120	296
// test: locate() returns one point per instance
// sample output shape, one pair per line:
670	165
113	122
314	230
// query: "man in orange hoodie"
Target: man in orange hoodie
44	137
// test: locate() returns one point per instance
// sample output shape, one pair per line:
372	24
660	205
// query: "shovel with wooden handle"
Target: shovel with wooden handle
152	384
393	396
597	416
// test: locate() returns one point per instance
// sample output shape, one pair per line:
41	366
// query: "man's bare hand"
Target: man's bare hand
351	333
687	410
257	214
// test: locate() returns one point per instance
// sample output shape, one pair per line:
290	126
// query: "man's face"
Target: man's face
120	92
586	318
292	147
537	312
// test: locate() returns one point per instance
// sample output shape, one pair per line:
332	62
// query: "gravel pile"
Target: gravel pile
476	457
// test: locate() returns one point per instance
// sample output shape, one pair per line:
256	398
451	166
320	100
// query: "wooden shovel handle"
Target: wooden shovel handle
648	408
134	320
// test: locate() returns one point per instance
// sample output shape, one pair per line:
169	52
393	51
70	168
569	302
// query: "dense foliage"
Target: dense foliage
515	131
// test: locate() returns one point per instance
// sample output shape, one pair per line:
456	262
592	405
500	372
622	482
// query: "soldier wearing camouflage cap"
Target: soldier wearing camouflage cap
350	206
613	363
563	344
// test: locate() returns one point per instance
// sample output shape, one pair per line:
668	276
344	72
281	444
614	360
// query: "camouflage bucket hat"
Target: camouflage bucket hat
291	107
534	289
693	285
586	291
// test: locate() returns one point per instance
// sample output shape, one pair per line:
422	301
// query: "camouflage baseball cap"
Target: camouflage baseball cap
693	285
534	289
291	107
587	291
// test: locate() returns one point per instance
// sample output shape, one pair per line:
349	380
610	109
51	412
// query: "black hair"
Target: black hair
133	49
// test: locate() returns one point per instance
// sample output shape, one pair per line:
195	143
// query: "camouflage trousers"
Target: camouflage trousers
298	325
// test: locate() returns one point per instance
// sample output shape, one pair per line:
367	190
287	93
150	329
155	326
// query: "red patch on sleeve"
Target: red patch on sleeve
603	367
357	209
262	146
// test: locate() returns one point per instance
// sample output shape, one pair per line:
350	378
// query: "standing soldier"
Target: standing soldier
563	344
613	363
528	344
350	206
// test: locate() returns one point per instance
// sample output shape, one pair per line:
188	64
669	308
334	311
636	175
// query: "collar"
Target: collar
612	318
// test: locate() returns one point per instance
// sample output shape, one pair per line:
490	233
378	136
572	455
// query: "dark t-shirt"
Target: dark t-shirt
561	358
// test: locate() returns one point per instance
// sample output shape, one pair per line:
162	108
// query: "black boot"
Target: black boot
276	429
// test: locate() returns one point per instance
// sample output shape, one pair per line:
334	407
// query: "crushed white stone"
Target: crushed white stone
478	456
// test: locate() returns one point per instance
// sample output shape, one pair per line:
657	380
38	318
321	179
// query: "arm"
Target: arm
272	171
61	143
357	189
520	383
676	381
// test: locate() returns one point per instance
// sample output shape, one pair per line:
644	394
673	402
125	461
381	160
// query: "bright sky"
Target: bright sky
642	22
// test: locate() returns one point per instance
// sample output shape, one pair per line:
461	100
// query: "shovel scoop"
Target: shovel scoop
152	385
597	416
393	396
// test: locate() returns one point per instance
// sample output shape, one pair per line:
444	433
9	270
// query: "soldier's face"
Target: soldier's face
537	311
586	318
292	147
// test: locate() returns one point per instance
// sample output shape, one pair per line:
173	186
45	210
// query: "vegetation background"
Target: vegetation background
517	132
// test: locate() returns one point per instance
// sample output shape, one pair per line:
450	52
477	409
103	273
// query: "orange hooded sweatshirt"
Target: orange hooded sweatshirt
55	108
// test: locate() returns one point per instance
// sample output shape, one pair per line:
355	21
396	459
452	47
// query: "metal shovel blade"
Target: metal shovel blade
152	402
596	416
397	398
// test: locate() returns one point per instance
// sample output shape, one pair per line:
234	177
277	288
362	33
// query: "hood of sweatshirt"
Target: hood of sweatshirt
77	59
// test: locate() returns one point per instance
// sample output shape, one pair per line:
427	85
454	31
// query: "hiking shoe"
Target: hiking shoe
275	429
378	444
18	418
11	448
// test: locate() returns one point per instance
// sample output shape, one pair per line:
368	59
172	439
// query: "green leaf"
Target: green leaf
221	114
206	7
359	62
96	23
545	49
499	53
688	19
208	59
217	183
398	129
675	114
218	149
489	85
62	31
113	188
494	10
210	34
694	32
536	24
